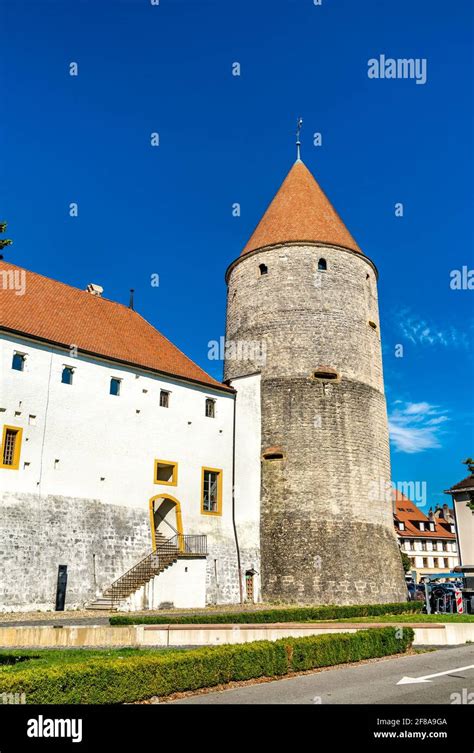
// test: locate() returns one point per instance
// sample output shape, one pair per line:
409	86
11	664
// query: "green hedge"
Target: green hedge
128	679
293	614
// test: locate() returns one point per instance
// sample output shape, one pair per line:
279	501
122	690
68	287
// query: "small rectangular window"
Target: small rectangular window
210	407
67	374
11	445
166	472
164	399
115	386
18	361
211	491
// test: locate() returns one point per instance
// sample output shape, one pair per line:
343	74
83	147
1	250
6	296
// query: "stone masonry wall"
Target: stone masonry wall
97	542
326	529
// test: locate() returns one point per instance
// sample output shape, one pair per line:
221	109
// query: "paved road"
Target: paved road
368	683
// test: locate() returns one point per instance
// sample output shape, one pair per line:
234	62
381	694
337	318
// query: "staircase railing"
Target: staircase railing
190	545
155	562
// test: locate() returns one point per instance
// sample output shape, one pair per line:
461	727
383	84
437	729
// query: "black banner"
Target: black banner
88	728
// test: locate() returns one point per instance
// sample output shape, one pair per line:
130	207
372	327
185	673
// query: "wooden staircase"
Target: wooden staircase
167	552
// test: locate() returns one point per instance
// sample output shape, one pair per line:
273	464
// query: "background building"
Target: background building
429	540
463	502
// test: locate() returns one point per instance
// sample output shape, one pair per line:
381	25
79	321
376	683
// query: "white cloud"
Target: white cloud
421	332
416	427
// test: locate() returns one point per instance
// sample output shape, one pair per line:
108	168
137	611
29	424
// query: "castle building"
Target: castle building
429	540
114	444
148	483
304	288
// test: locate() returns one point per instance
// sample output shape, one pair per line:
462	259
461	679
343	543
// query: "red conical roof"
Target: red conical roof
300	211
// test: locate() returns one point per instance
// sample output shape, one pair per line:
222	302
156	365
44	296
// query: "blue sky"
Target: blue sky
224	139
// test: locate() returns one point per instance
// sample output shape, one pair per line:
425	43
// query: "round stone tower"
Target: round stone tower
302	310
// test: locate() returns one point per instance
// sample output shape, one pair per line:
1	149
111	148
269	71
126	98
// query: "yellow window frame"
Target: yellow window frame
17	449
174	479
219	490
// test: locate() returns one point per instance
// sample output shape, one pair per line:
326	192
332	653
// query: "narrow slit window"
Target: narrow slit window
67	374
18	361
263	269
164	399
11	444
210	407
275	454
211	491
322	265
166	472
325	375
115	386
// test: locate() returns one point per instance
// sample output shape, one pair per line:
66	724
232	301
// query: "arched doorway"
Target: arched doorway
165	519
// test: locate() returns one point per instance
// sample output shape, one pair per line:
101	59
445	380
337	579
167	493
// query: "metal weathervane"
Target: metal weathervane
299	124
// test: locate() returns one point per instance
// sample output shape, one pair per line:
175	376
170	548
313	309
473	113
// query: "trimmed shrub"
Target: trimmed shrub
293	614
134	678
307	653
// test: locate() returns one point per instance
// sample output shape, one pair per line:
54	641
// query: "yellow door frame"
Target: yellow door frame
179	519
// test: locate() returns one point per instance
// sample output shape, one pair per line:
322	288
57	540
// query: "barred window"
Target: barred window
164	399
211	491
210	408
11	447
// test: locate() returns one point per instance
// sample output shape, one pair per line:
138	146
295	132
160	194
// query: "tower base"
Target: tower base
308	562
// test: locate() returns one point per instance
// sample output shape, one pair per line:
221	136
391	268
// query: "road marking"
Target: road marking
427	678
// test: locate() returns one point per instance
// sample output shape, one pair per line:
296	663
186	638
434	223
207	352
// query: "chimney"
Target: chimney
95	289
130	305
447	513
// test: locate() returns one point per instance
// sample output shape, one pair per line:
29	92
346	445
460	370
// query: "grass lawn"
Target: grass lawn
412	618
17	660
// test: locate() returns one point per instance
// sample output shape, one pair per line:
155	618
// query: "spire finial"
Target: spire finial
299	123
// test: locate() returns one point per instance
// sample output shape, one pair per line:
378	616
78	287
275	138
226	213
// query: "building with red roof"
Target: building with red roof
429	540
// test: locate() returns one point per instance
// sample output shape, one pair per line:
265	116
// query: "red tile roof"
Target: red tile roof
300	211
408	513
58	313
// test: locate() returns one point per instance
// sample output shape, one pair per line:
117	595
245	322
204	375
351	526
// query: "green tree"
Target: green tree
4	241
406	562
470	464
